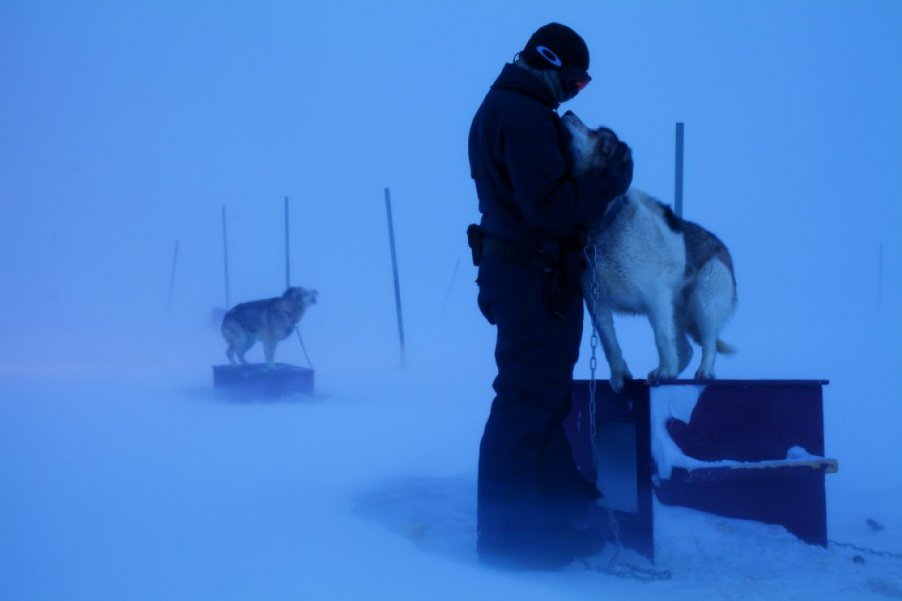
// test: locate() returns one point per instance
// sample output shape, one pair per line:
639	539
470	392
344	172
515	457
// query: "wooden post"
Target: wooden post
287	253
175	256
225	256
394	263
450	287
678	175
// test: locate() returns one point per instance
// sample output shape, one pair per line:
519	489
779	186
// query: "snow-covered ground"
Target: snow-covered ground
139	484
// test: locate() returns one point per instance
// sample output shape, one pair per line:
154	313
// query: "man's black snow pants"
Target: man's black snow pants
530	495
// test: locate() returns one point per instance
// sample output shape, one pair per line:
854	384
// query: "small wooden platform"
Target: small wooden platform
748	449
256	380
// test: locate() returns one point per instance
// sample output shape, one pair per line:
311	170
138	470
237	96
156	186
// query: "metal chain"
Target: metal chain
615	530
887	554
304	348
594	292
623	569
628	571
614	568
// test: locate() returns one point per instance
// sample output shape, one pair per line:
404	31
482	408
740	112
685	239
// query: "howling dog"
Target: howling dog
270	321
645	260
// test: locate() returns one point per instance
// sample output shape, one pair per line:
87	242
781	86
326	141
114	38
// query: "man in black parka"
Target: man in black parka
531	498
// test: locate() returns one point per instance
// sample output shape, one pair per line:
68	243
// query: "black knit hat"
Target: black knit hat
567	48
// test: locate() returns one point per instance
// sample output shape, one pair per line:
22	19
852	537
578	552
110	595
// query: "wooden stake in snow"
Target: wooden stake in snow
225	255
394	263
450	287
287	254
678	174
175	257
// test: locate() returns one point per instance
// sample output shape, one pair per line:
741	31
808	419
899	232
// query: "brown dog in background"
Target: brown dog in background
269	321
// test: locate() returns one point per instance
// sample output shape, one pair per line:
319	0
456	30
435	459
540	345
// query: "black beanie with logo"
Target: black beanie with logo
567	48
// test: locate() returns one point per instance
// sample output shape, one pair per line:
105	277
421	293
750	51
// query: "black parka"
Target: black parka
530	494
521	166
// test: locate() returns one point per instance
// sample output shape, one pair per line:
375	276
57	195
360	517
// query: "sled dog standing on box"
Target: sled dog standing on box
269	321
648	261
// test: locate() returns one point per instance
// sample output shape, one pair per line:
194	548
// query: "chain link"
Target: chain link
875	552
622	569
615	530
303	348
593	361
614	568
628	571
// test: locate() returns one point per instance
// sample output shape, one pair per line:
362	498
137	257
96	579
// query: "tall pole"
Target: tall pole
225	256
394	264
450	287
678	175
287	254
175	257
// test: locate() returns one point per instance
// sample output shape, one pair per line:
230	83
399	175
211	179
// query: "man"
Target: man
531	498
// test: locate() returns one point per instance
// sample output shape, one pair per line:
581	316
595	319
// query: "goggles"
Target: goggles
573	79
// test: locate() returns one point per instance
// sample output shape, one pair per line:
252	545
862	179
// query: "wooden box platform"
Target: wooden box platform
256	380
749	449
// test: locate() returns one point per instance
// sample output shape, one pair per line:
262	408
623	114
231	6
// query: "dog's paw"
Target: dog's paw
619	378
704	374
663	373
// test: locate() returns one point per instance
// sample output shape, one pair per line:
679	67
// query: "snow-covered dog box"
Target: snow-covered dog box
258	380
749	449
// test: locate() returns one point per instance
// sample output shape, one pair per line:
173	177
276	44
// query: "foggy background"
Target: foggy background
125	127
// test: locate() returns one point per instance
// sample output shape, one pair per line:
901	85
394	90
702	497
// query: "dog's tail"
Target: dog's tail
725	349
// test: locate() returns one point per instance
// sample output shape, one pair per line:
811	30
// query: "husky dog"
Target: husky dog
645	260
269	321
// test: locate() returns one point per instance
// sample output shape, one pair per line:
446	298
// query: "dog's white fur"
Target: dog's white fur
640	268
639	261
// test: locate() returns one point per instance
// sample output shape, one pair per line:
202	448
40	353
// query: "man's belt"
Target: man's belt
523	254
545	256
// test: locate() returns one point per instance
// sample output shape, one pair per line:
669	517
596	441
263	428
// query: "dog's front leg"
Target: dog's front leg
269	351
230	353
660	315
603	320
